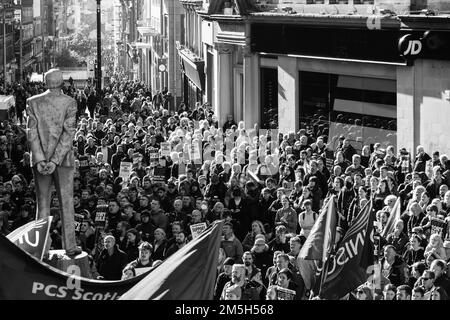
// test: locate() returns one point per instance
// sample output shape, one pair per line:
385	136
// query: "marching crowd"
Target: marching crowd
146	173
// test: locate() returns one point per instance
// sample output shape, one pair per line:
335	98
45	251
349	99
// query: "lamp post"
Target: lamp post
4	41
99	48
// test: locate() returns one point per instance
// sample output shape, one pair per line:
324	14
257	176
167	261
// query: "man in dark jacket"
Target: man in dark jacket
215	190
393	266
116	159
223	278
112	260
441	279
421	159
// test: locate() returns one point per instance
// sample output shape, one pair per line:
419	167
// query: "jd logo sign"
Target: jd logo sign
409	47
414	48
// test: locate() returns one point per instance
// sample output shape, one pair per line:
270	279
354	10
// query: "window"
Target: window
315	1
362	109
338	1
166	26
182	29
363	1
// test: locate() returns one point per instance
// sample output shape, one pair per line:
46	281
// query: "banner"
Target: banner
23	277
125	170
188	274
349	266
32	237
197	229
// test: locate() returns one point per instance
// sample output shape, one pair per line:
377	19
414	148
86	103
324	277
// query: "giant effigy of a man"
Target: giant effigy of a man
51	128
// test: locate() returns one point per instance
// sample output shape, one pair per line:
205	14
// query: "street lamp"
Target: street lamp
99	48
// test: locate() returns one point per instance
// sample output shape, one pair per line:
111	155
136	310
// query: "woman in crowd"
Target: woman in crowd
436	247
389	292
415	253
249	240
159	244
287	216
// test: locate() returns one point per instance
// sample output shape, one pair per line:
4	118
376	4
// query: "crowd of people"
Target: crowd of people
267	186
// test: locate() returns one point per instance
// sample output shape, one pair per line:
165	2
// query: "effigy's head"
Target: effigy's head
53	79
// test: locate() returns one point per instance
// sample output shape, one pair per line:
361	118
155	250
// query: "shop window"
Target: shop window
362	109
363	1
315	1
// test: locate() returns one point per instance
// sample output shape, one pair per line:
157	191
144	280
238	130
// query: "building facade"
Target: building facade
7	57
376	71
192	54
160	29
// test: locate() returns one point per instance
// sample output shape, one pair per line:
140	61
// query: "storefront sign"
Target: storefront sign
409	47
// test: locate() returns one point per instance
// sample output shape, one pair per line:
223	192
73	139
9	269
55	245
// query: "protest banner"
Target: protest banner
329	159
24	277
125	170
438	226
84	164
153	155
197	229
285	294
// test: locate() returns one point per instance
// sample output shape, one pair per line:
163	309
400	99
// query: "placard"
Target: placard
197	229
153	155
165	149
438	226
100	217
329	159
159	174
285	294
125	170
84	163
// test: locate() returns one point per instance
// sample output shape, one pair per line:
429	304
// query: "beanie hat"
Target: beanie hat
228	262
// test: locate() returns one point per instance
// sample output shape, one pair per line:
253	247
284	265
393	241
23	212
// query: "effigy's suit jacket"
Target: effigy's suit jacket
51	128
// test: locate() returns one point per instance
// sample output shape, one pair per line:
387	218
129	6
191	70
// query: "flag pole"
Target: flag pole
326	239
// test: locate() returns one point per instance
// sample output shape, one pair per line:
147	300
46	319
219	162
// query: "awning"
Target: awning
194	70
143	45
148	31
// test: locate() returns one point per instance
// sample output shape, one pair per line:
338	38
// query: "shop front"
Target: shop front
371	85
193	76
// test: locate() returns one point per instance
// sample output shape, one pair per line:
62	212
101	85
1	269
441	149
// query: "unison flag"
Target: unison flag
394	216
32	237
188	274
348	268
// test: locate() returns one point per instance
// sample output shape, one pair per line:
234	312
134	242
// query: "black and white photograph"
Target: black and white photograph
198	151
